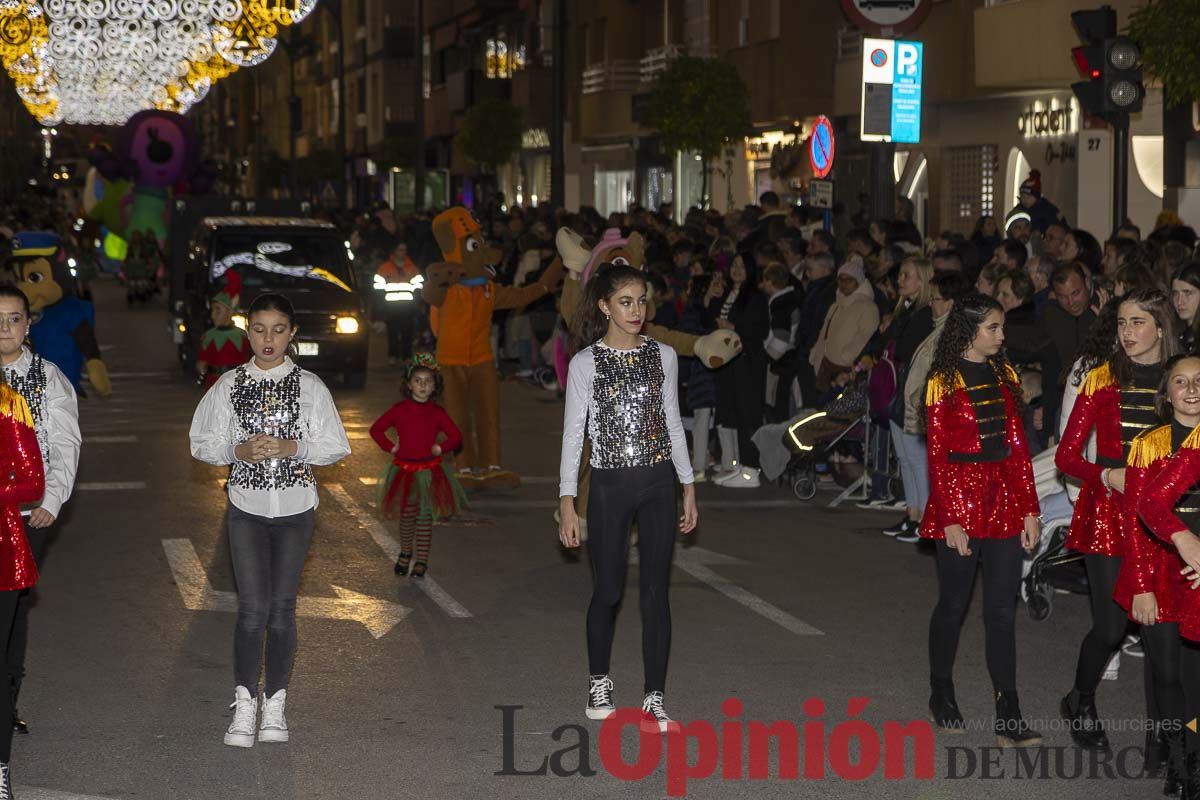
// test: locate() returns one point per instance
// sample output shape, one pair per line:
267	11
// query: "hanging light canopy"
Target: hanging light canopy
102	61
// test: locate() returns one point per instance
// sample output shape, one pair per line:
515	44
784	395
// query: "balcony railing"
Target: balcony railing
613	76
656	61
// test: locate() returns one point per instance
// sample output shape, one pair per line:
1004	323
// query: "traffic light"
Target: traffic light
1093	26
1123	87
1109	64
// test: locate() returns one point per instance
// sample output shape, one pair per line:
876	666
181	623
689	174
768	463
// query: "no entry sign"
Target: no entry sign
886	17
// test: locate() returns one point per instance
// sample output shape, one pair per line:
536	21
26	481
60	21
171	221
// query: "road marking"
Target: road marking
392	549
30	793
369	481
109	439
109	486
716	505
695	560
377	616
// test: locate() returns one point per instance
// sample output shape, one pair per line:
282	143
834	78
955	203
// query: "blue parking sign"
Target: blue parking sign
906	93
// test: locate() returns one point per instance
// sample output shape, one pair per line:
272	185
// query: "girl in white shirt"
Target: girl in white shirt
622	391
55	413
271	421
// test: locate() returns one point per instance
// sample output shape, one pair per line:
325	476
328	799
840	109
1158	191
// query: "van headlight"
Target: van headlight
346	325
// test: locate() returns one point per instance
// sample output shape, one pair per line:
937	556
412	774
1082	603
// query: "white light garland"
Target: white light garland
102	61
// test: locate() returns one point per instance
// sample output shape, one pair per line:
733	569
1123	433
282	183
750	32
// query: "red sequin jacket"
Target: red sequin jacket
22	480
1096	525
1156	506
1150	564
952	429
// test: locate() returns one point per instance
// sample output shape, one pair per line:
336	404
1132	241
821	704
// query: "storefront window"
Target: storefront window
613	191
1017	171
659	187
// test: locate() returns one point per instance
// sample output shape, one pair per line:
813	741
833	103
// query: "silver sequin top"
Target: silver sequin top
287	402
627	402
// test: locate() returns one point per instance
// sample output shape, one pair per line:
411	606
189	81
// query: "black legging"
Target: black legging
1001	559
1108	622
618	496
1164	651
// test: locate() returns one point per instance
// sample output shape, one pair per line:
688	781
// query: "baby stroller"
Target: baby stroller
810	439
1051	567
813	436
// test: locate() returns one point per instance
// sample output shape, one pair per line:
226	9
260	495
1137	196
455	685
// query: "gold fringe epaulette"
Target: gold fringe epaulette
1150	446
12	404
1192	442
938	387
1099	378
1013	377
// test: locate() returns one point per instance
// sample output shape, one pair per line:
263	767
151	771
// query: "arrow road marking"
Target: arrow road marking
377	616
392	549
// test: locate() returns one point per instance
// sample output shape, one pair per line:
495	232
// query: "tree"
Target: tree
491	133
1167	32
698	105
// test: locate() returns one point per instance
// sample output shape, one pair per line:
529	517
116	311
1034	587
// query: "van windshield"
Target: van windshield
282	259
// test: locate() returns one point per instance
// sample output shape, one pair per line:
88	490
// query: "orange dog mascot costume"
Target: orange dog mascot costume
462	297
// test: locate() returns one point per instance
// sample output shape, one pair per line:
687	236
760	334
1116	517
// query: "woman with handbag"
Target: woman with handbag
849	324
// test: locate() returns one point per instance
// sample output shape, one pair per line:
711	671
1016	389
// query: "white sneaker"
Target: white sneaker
600	704
241	730
1113	670
273	726
746	478
659	721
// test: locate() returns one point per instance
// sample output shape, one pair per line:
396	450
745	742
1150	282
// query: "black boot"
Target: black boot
943	709
19	725
1191	776
402	563
1175	770
1079	710
1156	755
1011	729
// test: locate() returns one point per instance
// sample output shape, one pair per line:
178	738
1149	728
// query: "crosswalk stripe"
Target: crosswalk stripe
109	486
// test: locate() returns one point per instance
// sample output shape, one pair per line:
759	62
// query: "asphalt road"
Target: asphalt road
399	689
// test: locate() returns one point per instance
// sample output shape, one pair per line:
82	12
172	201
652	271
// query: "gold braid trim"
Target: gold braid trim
1150	446
1097	379
938	387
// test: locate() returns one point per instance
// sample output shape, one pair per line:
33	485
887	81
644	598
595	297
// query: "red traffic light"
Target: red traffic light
1087	61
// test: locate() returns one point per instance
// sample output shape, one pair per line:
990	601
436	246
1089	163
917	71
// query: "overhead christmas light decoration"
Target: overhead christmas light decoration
102	61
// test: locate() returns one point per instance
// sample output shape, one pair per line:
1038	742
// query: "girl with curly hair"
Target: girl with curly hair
418	488
1116	403
982	507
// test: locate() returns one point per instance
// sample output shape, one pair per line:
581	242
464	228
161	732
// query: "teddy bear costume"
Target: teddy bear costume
462	298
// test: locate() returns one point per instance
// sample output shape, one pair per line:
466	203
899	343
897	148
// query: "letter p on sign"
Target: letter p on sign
906	59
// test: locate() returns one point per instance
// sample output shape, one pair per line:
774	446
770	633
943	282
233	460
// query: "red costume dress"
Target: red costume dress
223	349
989	499
1117	415
417	479
1152	565
21	461
1170	503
